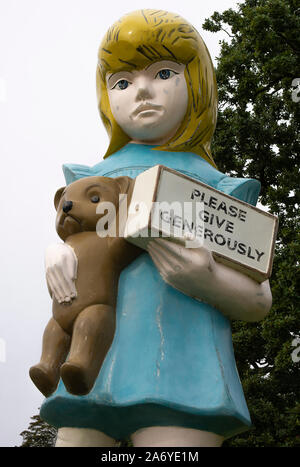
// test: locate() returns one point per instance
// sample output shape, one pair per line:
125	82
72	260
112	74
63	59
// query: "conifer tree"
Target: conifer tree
39	434
257	136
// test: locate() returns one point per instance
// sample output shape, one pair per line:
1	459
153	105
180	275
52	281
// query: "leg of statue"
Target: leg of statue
56	343
93	334
168	436
82	437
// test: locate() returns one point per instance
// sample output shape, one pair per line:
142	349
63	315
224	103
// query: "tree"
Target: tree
257	136
39	434
42	435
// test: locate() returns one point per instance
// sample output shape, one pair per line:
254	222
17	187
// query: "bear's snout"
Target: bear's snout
67	206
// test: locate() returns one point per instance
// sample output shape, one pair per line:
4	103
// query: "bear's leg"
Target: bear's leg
56	343
93	333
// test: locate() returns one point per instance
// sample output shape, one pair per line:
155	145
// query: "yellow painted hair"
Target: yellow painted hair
146	36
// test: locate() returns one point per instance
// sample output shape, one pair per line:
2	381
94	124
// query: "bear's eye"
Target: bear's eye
95	199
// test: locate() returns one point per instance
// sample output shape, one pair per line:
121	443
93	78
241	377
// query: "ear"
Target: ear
124	183
58	196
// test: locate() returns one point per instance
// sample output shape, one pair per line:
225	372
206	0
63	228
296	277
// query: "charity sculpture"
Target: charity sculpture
84	327
169	377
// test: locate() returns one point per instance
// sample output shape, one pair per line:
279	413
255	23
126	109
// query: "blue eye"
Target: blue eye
164	74
122	84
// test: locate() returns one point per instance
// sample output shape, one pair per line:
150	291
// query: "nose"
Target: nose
144	90
67	206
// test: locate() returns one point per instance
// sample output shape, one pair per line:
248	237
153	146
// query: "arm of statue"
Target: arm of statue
61	271
194	272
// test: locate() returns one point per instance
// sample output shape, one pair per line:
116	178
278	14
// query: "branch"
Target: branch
280	34
266	88
232	37
271	84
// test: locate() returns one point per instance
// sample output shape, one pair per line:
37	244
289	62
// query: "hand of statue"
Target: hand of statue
194	272
61	271
189	270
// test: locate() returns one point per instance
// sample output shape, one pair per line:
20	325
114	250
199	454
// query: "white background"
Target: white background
48	116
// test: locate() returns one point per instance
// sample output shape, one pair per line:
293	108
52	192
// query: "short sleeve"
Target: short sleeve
244	189
73	172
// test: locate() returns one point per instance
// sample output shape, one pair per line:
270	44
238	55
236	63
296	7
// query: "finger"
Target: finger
162	242
164	249
53	287
187	257
60	283
191	241
62	294
169	270
64	274
167	275
161	269
70	262
49	287
167	244
180	249
202	257
174	249
73	290
67	282
69	290
61	265
172	258
162	256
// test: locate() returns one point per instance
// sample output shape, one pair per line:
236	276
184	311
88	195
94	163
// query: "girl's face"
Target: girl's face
150	104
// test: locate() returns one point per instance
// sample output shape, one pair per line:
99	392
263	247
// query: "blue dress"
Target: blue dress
172	361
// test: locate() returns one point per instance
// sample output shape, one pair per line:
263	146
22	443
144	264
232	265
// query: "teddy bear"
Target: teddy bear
80	333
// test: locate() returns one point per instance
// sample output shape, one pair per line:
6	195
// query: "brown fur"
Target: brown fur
85	327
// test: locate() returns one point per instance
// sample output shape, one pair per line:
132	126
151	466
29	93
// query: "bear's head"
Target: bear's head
76	204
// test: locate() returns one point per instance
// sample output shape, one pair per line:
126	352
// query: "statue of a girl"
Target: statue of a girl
170	377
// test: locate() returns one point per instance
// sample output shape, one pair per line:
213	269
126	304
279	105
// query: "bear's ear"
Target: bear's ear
58	196
124	183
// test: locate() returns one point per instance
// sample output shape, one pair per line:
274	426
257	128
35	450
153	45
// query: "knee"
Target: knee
169	436
82	437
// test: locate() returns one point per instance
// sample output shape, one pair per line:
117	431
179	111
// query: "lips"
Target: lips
146	106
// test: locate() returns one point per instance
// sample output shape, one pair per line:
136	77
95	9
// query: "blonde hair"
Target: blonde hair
146	36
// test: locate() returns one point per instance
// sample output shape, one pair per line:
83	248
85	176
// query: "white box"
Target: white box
166	203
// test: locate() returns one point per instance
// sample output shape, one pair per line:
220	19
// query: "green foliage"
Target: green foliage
39	434
258	136
42	435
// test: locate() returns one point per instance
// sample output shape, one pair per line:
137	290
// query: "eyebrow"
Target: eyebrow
114	74
158	61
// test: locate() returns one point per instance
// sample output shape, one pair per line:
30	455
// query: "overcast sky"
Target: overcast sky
48	116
